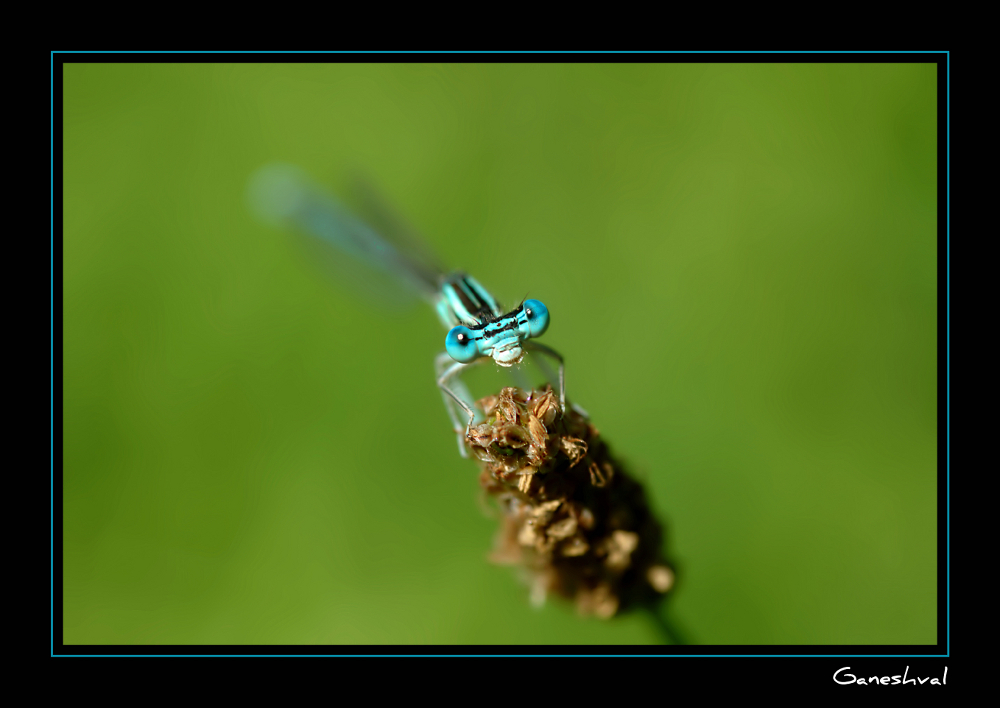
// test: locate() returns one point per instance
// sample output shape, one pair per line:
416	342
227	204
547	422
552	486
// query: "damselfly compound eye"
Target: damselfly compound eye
460	345
538	317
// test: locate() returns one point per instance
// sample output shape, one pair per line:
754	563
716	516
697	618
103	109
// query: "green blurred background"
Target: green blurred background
740	262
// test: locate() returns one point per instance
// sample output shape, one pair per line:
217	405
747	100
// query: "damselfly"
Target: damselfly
478	327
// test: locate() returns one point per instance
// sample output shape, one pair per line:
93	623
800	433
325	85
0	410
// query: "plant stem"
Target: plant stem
665	627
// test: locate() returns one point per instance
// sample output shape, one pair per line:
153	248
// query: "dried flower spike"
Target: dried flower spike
573	520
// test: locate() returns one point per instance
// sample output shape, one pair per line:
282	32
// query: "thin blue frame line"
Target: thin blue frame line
947	368
947	54
52	331
723	656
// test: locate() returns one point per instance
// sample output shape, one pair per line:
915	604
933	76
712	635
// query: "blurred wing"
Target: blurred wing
286	196
375	209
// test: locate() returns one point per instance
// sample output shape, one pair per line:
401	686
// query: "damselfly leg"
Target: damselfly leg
549	351
455	392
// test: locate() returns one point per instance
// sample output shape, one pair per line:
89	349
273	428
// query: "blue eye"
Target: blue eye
460	345
538	317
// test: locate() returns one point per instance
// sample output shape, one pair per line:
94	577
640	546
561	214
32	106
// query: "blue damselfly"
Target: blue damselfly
478	327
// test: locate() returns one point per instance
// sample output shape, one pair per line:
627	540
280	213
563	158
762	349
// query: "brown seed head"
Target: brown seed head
572	518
